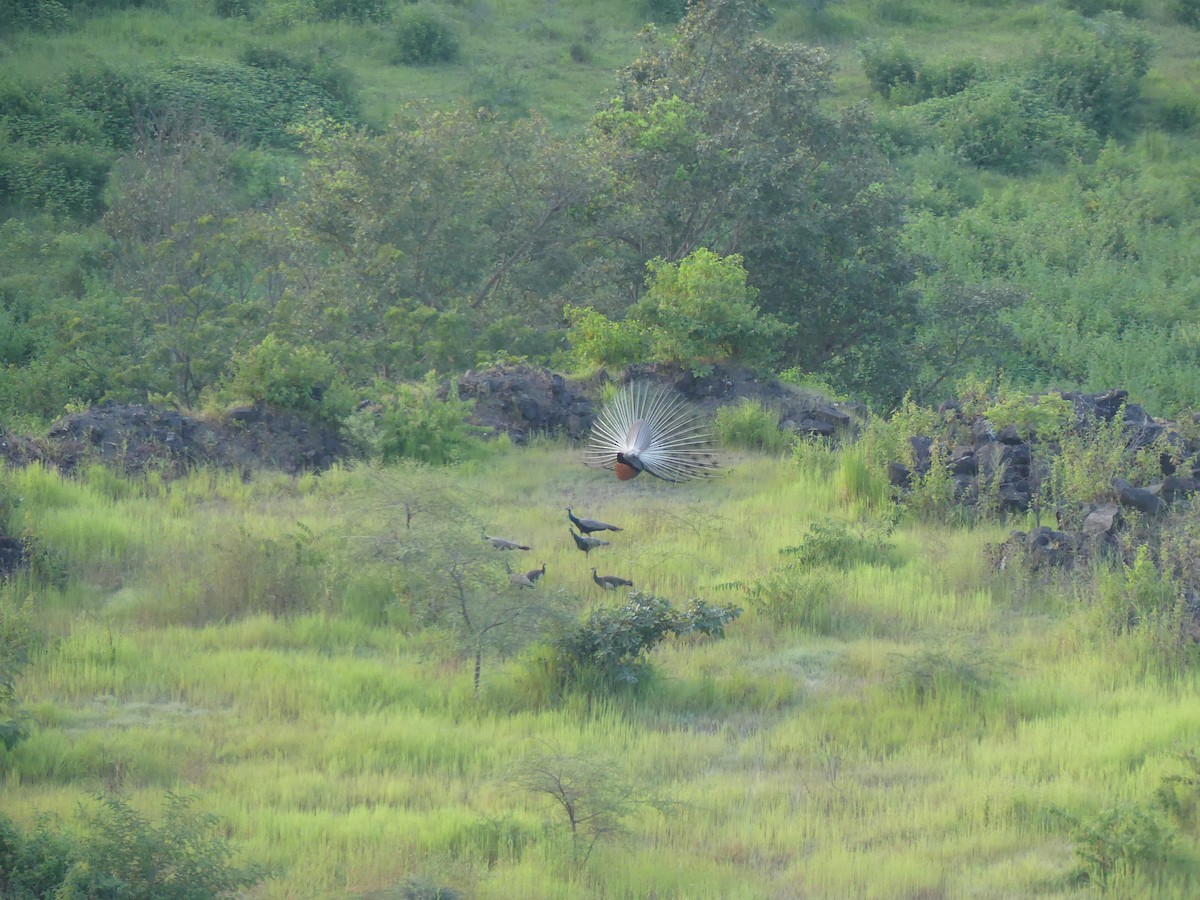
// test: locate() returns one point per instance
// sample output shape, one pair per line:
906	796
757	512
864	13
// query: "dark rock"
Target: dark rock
963	462
816	427
12	554
899	474
1175	487
1142	500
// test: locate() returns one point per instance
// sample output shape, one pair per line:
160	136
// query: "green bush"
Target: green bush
1119	841
423	37
750	424
1001	125
888	66
33	15
413	421
1186	12
354	10
1094	72
837	544
119	854
610	647
298	379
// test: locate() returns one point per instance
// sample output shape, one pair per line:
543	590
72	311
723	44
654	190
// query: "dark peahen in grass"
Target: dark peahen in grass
587	526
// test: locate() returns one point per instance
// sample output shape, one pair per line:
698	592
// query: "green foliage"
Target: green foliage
298	379
120	854
1094	71
597	340
1003	125
16	631
354	10
938	673
1186	12
691	143
1179	794
701	310
751	425
423	36
611	645
841	546
788	597
1118	841
33	15
694	314
421	421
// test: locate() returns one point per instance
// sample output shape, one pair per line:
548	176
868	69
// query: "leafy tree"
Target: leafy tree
719	139
406	246
198	282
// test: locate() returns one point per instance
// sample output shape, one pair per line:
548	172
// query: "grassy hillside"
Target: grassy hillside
1042	156
893	718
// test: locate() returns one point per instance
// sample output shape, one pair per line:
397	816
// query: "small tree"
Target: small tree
448	575
594	793
696	312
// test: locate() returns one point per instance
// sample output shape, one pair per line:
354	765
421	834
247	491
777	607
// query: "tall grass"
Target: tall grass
911	724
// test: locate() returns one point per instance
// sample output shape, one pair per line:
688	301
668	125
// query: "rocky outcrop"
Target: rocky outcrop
136	437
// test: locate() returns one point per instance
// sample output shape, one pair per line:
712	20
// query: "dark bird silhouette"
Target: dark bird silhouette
647	429
504	544
587	526
609	582
535	574
587	543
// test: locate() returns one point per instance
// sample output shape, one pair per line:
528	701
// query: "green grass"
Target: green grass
919	748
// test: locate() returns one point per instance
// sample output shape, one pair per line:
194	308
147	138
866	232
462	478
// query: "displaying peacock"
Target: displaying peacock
651	429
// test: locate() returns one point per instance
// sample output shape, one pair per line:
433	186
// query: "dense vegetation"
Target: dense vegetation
329	685
394	189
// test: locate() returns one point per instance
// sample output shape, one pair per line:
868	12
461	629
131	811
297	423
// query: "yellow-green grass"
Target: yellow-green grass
347	753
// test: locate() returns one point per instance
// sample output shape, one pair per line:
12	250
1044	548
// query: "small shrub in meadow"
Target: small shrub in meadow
837	544
751	425
1118	841
423	37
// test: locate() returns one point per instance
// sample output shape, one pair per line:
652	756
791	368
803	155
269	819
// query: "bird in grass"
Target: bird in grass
587	526
518	579
651	429
535	574
610	582
587	543
503	543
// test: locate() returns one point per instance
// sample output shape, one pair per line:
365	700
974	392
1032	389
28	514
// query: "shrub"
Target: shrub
413	421
354	10
1002	125
836	544
1094	72
1186	12
750	424
120	854
423	37
1118	841
298	379
888	66
610	647
597	340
